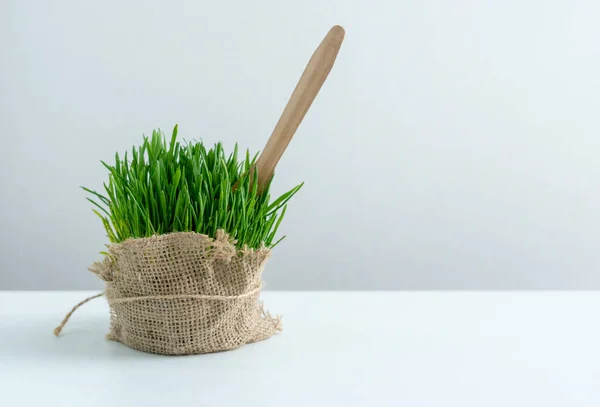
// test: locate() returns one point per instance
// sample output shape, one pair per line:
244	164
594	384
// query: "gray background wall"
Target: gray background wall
454	146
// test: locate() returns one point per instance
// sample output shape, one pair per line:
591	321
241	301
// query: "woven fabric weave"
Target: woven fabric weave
185	293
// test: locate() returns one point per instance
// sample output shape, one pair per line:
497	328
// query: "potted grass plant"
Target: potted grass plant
190	230
190	234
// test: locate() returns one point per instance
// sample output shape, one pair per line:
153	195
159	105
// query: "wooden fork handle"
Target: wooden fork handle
306	90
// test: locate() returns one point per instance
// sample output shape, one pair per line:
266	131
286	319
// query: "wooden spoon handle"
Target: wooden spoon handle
306	90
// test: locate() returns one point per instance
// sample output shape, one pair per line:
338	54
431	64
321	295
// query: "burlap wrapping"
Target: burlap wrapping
185	293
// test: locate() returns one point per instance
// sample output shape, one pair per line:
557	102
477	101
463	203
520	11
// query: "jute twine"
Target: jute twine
184	293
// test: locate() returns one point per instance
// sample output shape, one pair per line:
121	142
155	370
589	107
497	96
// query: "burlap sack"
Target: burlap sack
185	293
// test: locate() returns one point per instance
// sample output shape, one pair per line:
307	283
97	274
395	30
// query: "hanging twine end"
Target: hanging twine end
59	328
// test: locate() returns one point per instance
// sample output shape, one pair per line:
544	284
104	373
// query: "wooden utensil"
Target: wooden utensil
306	90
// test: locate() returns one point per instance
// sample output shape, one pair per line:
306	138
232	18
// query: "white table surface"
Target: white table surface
337	349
